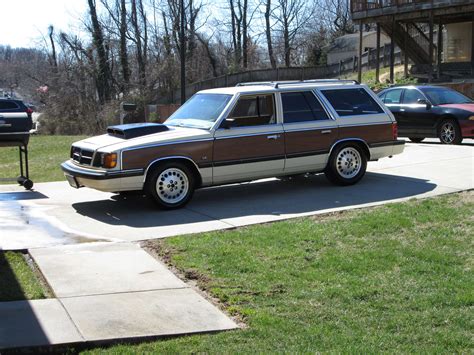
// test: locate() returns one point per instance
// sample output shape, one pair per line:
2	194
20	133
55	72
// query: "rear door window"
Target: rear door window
352	102
301	107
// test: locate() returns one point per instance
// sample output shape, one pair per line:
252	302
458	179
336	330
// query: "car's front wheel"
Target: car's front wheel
416	139
171	185
449	132
347	164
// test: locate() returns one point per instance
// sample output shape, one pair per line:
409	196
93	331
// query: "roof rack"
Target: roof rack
276	84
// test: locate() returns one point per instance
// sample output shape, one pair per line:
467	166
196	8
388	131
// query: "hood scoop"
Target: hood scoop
134	130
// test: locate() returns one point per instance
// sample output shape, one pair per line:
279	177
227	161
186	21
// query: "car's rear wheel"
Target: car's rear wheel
347	164
171	185
449	132
416	139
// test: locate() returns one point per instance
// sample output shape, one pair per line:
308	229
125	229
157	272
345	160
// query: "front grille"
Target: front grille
82	156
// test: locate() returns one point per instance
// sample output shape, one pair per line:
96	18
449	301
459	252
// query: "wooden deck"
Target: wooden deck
376	10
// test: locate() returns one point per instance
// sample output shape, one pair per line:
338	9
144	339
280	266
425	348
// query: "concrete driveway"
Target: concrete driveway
55	214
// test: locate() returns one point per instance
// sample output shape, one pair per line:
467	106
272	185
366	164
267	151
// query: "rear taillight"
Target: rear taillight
29	111
394	131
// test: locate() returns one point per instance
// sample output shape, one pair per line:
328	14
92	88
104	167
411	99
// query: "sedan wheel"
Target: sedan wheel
171	185
347	164
449	132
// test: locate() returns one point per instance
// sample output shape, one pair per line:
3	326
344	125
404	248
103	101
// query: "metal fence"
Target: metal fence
344	67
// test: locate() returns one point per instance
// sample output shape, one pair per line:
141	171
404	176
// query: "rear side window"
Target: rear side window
412	96
8	105
393	96
302	107
351	102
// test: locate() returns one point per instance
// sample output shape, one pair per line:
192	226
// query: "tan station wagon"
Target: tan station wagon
242	133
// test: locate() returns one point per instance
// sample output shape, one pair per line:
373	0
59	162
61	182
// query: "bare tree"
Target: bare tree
291	17
103	75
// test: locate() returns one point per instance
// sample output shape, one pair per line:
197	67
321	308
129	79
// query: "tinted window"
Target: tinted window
8	105
349	102
440	96
393	96
253	111
301	107
412	96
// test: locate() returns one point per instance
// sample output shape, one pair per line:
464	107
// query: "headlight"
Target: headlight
108	160
471	118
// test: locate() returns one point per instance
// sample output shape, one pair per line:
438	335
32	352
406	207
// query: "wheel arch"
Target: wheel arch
446	116
181	159
358	141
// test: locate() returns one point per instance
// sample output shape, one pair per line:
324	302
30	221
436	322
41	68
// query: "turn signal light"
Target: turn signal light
109	160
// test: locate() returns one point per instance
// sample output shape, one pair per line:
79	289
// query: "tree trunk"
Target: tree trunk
103	75
269	34
123	46
244	34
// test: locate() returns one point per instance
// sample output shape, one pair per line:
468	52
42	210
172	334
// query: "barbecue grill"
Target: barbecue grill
15	125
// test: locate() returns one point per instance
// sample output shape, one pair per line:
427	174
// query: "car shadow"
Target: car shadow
237	204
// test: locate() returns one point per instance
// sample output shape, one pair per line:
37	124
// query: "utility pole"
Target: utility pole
182	53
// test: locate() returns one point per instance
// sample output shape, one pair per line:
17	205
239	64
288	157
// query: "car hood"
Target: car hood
109	143
465	107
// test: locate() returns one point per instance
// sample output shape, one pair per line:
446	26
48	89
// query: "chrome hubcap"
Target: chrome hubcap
447	133
172	185
348	162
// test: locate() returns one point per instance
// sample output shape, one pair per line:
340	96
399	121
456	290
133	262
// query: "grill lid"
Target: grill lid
133	130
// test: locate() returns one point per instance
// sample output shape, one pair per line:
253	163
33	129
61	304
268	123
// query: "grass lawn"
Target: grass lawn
45	155
17	280
396	278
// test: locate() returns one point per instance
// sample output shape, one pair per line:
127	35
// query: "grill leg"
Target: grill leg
26	162
21	162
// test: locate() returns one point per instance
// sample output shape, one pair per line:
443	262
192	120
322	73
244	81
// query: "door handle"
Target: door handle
273	136
5	125
402	110
327	131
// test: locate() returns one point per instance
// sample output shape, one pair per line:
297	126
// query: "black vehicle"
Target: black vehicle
15	120
430	111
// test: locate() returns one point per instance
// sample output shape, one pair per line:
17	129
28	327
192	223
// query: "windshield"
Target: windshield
200	111
441	96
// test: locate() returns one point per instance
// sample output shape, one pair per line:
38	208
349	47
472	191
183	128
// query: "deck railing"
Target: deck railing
364	5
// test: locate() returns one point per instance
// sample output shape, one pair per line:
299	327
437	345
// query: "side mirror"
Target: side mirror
228	123
425	102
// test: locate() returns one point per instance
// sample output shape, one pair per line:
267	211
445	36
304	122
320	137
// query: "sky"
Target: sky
24	22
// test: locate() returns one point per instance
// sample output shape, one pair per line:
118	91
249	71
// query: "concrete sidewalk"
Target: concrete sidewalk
106	291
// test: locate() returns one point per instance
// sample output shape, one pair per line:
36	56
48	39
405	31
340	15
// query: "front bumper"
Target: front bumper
467	128
103	180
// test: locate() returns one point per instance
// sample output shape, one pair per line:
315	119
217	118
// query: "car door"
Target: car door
392	99
249	144
418	116
309	131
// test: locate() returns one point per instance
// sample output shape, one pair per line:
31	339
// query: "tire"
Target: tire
449	132
171	185
28	184
416	139
347	164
